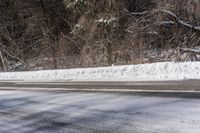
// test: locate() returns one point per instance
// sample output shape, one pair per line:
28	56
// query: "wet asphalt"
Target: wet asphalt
96	112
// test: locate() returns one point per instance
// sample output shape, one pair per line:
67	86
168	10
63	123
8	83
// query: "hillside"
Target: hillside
55	34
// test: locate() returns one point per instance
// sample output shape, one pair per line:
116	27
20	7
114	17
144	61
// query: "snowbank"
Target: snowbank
143	72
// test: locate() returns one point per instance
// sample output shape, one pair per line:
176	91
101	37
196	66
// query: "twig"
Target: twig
72	41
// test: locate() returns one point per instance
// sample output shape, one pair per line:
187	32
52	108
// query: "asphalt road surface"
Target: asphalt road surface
96	112
116	86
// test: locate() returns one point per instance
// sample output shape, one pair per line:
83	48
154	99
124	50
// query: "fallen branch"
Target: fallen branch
167	23
136	13
10	54
180	22
8	38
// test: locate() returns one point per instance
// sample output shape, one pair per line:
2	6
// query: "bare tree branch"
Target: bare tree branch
180	22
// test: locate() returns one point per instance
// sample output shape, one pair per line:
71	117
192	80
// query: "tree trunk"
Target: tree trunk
3	62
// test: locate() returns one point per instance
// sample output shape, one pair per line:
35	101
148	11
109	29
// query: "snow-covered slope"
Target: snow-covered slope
143	72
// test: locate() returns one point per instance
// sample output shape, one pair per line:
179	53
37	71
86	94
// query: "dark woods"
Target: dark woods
54	34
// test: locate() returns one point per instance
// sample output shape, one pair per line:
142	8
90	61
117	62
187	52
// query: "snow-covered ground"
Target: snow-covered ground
143	72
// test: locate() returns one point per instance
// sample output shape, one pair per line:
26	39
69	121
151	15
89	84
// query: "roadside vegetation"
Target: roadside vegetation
55	34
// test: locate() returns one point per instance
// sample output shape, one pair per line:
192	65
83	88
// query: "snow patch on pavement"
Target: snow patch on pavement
142	72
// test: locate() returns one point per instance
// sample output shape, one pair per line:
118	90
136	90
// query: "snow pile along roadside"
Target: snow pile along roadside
143	72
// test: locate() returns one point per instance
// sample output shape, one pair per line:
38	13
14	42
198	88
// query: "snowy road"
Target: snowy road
82	112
